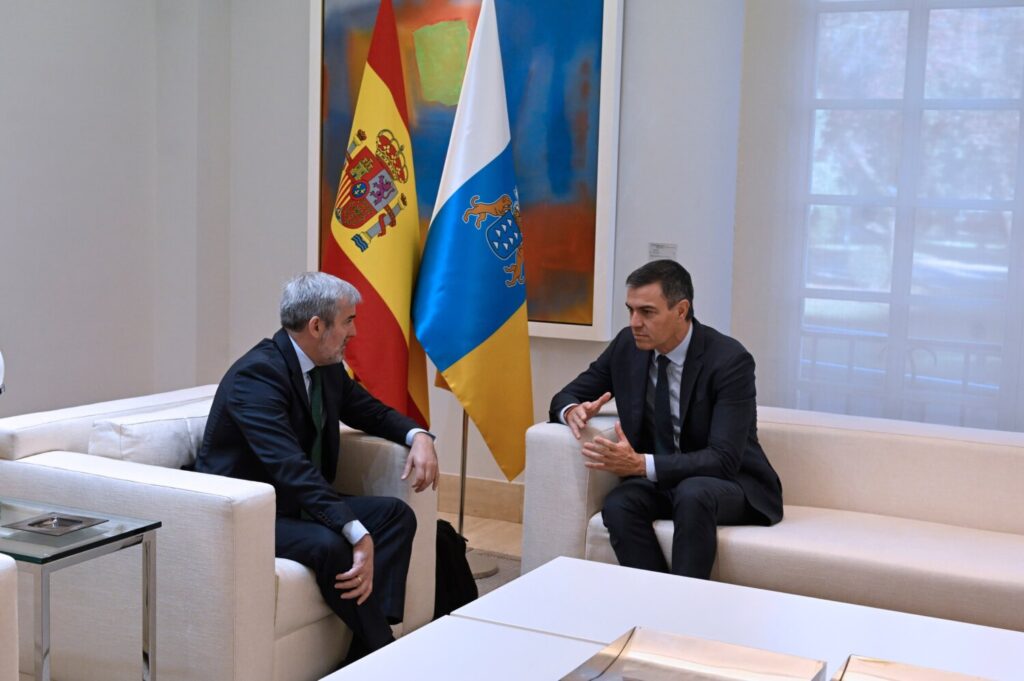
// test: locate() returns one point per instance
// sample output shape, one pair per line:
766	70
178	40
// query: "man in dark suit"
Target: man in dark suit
687	444
275	419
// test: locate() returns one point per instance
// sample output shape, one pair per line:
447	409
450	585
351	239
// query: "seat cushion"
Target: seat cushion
298	601
881	561
165	437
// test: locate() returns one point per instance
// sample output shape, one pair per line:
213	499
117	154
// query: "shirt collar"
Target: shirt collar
677	355
305	363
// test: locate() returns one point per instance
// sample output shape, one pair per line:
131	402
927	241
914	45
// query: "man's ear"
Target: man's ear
683	306
315	326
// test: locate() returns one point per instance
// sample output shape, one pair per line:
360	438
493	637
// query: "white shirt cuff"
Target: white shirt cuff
412	434
652	474
354	531
561	414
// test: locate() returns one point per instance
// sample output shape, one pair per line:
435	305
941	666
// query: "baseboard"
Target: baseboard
484	498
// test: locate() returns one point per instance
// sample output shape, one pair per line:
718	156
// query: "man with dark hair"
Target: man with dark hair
687	444
275	419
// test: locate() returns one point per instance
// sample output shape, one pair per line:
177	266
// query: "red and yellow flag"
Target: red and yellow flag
375	231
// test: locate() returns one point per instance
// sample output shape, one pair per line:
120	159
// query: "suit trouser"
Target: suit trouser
392	525
696	505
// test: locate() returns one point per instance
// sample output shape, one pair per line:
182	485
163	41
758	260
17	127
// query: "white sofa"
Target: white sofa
8	619
227	609
914	517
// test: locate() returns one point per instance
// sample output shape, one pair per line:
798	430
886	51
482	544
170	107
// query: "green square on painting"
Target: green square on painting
442	50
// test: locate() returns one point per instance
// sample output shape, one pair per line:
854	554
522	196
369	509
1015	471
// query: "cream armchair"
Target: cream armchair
227	609
8	619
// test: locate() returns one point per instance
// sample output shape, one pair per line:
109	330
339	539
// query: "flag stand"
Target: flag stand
480	565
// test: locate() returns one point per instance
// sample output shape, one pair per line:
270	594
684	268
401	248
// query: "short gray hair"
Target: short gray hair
314	294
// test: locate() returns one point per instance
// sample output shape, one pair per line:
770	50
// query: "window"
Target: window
909	304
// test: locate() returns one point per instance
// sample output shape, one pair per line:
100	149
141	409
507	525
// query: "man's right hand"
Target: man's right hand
358	582
576	417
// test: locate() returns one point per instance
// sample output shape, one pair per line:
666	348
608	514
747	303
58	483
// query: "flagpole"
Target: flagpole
480	565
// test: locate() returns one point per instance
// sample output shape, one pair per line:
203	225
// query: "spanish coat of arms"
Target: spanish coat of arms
369	186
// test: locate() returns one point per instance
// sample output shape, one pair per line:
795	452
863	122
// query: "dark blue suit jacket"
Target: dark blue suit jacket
260	428
717	410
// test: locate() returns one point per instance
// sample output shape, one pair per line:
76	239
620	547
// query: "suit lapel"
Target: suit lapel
298	383
691	369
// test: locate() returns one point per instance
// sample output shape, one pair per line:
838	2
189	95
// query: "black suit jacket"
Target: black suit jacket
717	410
260	428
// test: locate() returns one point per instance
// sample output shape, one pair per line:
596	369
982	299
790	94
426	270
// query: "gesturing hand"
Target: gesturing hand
358	582
577	416
615	457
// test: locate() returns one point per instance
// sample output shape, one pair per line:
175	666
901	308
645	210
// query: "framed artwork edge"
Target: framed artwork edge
607	173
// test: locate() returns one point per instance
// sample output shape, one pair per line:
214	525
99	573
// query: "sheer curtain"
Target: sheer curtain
879	261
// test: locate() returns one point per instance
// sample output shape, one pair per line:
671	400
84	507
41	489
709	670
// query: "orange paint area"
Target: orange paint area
559	241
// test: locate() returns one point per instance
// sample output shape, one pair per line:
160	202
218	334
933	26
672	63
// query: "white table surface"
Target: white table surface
599	602
460	649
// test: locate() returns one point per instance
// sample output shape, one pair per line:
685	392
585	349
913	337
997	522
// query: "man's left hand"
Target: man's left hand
422	459
615	457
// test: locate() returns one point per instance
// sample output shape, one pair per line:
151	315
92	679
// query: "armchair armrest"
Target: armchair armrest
215	570
8	619
561	494
373	466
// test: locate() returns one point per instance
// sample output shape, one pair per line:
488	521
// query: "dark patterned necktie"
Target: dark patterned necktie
664	438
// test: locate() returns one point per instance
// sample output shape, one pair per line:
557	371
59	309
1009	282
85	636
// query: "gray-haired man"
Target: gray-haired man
275	419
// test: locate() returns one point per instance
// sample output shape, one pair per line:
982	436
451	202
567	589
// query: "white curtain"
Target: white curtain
879	258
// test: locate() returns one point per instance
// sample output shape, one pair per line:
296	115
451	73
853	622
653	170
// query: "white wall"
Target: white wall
213	167
269	141
191	244
77	185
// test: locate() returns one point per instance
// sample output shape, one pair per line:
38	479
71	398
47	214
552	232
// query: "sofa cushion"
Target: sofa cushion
298	601
880	561
69	429
166	437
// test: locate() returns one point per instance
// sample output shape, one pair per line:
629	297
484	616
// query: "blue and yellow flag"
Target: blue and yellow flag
469	309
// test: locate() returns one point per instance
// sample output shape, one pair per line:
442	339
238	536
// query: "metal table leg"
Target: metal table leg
41	606
149	606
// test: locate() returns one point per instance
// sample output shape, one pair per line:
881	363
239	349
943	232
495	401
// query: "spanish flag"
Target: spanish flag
375	232
469	310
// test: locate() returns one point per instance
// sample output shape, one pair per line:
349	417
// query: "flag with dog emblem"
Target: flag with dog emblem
375	231
469	309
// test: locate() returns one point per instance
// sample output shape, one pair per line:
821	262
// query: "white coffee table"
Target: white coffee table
597	602
461	649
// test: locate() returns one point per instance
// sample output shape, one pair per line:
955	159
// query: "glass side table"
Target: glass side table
44	538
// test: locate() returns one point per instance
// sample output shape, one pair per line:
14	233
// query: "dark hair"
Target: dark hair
675	281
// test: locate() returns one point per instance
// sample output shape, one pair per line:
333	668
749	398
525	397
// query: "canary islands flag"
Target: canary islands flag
375	230
469	309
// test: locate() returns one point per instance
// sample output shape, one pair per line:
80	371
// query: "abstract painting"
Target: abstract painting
561	62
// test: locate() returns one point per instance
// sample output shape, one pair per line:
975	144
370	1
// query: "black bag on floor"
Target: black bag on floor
455	584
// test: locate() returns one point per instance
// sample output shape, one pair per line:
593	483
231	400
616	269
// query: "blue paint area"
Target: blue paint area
462	296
